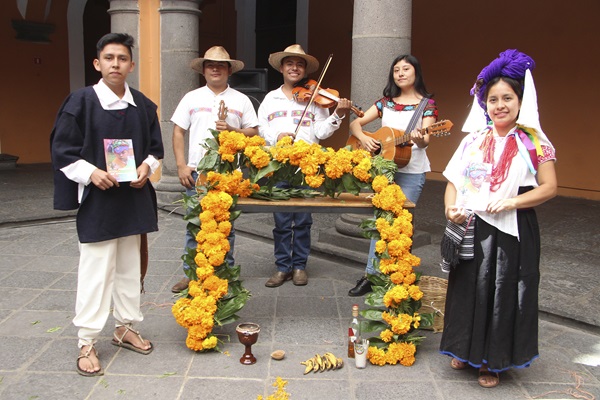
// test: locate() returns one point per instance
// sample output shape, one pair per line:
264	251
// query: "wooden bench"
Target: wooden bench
344	203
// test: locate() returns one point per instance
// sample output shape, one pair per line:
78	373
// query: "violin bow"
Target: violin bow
314	92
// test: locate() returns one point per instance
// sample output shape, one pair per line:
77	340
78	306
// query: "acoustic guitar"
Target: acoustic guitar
395	144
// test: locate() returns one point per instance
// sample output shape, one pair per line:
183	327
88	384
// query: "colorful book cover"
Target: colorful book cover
474	193
120	161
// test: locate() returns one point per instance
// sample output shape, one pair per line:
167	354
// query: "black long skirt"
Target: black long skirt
491	314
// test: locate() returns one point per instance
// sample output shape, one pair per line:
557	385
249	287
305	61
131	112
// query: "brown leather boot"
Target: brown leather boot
181	285
278	278
300	278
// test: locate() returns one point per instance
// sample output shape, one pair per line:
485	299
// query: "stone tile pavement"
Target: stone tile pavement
38	267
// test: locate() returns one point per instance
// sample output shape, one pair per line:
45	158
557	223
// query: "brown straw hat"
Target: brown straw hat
295	50
216	53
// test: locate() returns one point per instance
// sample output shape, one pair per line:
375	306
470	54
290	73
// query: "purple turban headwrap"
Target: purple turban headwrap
510	63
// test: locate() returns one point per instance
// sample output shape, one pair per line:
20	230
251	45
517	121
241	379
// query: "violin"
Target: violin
325	98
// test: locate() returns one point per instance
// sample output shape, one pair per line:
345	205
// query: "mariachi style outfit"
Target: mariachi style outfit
109	222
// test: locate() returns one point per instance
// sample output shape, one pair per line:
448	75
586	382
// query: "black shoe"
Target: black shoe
363	286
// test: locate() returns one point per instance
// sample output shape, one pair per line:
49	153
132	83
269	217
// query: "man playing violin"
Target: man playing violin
214	106
279	116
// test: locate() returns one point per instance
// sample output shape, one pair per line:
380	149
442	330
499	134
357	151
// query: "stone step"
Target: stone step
332	242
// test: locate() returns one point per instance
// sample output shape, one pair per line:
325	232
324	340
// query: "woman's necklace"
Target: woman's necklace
499	170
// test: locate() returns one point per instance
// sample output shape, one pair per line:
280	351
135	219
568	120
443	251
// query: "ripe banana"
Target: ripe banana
309	365
327	361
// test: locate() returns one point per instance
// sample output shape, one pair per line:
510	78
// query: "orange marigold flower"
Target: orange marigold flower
376	356
315	181
379	183
387	335
380	246
415	292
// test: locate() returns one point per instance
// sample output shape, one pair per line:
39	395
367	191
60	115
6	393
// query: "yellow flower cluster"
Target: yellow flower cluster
317	163
390	198
379	183
230	143
197	313
232	183
402	323
280	393
395	261
401	352
258	157
339	164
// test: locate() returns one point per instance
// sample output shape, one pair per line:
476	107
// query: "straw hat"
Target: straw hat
295	50
216	53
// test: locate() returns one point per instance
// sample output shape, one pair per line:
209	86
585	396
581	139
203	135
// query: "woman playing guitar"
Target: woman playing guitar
401	96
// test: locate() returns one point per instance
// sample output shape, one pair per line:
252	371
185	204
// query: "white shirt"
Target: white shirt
278	114
81	171
197	112
519	174
419	163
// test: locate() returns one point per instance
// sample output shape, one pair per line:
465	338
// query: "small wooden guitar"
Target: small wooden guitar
395	144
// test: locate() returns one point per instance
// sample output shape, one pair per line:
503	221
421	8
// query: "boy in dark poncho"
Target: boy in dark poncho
111	215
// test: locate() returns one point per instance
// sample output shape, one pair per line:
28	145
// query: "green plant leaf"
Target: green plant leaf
209	162
372	326
229	320
372	314
374	300
271	167
377	342
427	320
228	308
379	280
350	185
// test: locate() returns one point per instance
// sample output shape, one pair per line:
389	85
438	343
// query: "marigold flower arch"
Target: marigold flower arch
216	294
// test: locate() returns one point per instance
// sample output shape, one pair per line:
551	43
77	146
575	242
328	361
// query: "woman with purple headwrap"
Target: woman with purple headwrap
491	314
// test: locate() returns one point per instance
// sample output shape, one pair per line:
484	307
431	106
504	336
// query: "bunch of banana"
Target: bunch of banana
322	362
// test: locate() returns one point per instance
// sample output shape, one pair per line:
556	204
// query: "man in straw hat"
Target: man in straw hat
197	112
279	115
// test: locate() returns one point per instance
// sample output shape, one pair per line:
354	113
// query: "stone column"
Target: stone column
179	21
124	18
381	31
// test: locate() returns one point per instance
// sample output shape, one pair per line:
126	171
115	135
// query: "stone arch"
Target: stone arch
82	26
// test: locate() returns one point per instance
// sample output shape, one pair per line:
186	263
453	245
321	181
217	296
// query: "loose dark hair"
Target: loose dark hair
115	38
391	90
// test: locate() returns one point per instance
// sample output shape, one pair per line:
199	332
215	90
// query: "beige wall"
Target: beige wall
31	93
455	40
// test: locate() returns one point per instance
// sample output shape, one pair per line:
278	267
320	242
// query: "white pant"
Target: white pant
107	269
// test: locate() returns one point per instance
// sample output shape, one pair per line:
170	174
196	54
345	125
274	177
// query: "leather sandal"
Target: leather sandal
118	341
83	372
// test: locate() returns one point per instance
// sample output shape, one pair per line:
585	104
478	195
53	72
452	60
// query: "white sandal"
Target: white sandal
119	341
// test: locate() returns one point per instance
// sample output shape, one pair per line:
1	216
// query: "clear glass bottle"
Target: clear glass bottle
353	331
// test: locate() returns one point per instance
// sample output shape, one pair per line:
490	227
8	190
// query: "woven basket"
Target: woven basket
434	299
